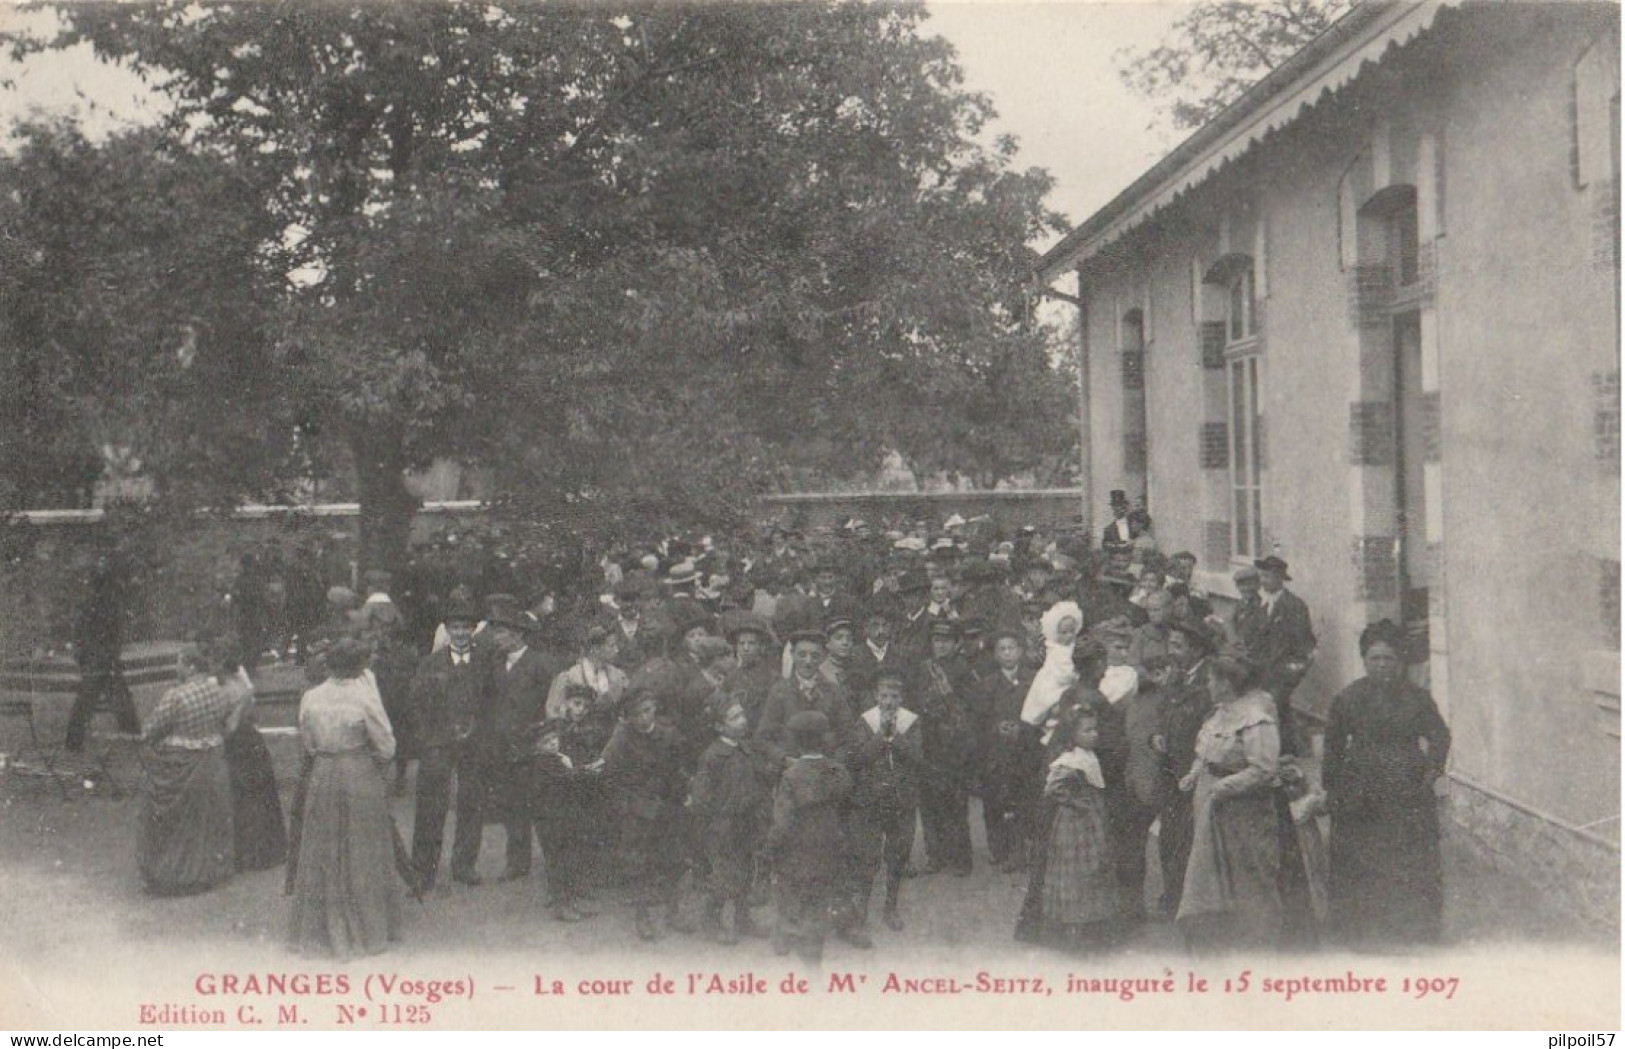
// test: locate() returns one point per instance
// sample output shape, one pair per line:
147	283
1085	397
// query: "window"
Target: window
1246	496
1240	308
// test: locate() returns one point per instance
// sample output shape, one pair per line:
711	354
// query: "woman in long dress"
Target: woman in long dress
1232	896
1386	746
345	898
261	837
184	839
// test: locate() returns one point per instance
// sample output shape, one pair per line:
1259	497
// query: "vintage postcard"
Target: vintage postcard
1084	515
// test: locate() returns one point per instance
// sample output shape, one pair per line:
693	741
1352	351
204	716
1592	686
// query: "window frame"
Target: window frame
1242	358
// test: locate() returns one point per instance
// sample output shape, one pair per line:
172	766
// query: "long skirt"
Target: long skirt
184	841
346	900
1386	882
1232	895
261	837
1072	890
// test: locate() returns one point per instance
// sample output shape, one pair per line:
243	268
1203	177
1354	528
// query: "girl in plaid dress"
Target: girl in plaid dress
1072	898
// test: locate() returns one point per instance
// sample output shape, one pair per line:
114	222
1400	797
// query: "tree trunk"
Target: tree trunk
387	506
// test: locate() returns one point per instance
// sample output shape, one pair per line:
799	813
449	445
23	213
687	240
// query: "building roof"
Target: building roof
1360	38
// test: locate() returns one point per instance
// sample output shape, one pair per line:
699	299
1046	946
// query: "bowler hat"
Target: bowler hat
1272	564
816	636
944	628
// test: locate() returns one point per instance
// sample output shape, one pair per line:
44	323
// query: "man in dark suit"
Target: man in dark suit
1010	764
98	642
521	676
1286	643
878	650
807	689
448	691
1124	528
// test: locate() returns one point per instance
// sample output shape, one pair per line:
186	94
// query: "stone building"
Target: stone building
1368	319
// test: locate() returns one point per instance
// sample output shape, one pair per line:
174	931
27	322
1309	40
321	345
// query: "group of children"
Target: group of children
822	803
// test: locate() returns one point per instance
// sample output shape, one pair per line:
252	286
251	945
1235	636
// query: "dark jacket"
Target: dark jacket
447	699
517	700
731	794
885	766
785	700
806	842
643	771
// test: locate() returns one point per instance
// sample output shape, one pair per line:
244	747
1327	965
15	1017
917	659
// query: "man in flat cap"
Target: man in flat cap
805	690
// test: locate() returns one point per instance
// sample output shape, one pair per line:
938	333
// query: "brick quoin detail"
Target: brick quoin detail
1376	568
1605	394
1432	424
1371	433
1214	444
1134	453
1604	205
1608	598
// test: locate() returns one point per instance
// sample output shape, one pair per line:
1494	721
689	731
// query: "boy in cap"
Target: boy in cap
1011	769
643	768
838	649
884	759
805	841
731	801
556	783
807	689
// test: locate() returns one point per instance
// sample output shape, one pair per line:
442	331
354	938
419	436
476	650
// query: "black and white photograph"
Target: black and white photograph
731	515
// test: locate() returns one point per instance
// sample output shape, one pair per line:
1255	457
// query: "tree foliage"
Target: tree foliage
131	322
642	261
1218	50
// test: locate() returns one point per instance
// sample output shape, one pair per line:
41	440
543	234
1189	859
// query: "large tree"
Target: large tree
1217	50
642	261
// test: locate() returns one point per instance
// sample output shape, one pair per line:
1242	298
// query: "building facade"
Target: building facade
1368	320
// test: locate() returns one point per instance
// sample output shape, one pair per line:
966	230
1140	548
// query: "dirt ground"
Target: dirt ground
73	907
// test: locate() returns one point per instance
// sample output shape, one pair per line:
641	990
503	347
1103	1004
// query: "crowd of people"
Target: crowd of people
714	726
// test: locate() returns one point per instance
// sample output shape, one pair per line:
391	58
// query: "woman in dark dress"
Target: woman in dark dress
1386	746
259	833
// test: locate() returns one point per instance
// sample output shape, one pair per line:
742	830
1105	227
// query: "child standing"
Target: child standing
805	841
731	799
561	826
582	738
1011	766
885	760
643	765
1072	898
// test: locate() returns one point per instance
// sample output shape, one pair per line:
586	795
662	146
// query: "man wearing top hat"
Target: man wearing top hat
1124	528
1285	643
